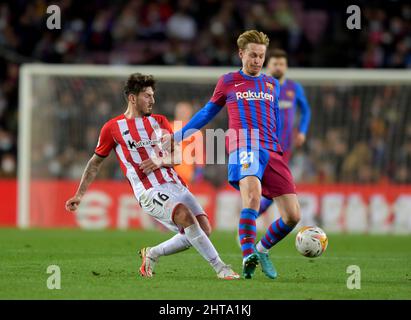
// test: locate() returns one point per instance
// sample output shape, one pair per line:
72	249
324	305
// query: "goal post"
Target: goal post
44	88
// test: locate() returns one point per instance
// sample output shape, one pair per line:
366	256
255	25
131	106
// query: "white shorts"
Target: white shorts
160	202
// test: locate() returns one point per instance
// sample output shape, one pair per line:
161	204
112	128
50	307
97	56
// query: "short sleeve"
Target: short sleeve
105	142
219	96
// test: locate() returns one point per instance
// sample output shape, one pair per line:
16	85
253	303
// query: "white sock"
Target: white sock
176	244
260	248
203	245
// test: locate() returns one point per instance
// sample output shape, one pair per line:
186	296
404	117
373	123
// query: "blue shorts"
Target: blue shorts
246	162
268	166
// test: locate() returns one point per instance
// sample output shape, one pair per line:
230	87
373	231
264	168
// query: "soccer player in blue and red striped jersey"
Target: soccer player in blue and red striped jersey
292	97
256	166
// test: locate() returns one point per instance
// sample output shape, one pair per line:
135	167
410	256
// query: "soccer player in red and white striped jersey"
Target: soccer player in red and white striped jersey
135	137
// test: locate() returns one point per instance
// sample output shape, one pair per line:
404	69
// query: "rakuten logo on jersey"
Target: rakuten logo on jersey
142	143
252	95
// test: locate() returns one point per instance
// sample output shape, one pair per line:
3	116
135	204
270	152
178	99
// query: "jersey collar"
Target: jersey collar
249	77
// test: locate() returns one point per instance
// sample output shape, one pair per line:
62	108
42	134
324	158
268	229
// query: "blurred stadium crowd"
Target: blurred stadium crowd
370	143
358	134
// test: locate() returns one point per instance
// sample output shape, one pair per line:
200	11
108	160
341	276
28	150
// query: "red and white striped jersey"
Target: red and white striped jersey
135	140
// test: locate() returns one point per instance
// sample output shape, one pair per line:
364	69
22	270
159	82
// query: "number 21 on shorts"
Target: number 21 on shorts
246	158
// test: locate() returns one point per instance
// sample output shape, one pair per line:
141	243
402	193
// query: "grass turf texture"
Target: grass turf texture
104	265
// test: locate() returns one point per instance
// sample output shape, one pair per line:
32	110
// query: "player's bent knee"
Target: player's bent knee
253	201
293	217
182	216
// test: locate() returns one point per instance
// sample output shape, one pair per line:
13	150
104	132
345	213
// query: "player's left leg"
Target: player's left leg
290	215
278	230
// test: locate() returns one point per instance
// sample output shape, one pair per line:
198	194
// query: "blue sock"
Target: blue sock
264	204
247	230
277	231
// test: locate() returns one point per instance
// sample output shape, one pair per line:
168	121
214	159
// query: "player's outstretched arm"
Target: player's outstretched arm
89	174
199	120
169	159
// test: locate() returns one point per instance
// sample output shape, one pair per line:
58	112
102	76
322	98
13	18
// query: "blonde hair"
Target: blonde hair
252	36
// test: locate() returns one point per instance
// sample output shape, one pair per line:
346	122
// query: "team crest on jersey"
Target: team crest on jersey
290	94
269	85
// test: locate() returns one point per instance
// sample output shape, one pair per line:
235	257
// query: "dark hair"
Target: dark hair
136	82
277	53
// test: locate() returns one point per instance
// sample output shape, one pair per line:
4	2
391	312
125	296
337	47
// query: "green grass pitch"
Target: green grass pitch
104	265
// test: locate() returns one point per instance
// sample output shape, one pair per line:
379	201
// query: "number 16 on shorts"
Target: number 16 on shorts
161	198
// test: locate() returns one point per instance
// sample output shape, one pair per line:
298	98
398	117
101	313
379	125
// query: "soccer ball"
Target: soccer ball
311	241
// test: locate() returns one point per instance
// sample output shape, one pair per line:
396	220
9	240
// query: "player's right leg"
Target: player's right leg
250	189
245	171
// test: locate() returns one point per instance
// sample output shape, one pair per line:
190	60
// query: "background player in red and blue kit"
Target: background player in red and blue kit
291	97
256	166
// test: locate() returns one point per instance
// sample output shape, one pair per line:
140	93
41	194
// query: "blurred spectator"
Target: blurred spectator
371	143
356	161
8	166
181	25
364	144
192	149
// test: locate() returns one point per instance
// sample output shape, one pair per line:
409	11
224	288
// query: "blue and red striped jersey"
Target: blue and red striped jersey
291	96
253	110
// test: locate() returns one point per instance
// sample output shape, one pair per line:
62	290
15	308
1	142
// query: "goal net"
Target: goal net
353	172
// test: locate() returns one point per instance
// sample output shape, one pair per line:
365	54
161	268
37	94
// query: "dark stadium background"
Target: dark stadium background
353	174
368	145
142	32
